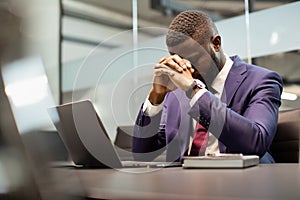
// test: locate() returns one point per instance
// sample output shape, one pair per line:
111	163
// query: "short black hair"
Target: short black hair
190	24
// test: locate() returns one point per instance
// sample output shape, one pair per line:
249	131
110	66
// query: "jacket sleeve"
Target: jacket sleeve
148	137
251	128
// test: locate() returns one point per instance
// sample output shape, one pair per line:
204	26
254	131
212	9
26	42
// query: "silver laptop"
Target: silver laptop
86	139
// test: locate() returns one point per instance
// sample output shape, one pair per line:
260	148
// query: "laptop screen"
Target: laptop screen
84	135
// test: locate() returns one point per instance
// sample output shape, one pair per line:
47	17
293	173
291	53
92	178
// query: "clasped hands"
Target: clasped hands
170	73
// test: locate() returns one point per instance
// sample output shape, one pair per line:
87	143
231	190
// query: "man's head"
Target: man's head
193	36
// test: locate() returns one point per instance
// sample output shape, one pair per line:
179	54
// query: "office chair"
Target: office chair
286	144
123	142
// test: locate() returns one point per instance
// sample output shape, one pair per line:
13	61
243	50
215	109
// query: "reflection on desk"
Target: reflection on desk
272	181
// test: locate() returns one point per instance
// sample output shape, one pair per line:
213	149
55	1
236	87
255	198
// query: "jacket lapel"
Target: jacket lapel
235	77
237	74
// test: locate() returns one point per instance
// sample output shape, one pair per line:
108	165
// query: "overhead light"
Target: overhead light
274	38
288	96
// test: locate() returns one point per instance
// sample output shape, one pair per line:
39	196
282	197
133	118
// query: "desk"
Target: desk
270	181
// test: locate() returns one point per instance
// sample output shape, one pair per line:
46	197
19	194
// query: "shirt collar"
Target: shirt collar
218	83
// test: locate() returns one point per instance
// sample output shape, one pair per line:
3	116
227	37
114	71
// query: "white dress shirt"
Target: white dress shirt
217	85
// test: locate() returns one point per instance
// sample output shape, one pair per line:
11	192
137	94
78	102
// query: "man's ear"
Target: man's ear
216	42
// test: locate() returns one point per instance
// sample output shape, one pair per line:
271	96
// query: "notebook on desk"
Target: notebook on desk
221	161
86	139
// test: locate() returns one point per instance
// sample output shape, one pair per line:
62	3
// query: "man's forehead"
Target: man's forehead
186	48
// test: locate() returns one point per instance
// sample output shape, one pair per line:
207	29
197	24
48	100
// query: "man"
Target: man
199	88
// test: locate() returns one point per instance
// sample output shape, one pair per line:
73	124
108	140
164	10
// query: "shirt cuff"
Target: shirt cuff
151	110
197	96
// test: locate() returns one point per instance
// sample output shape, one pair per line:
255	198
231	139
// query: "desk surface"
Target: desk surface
275	181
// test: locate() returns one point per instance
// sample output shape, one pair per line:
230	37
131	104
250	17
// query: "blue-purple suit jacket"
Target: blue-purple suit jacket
244	120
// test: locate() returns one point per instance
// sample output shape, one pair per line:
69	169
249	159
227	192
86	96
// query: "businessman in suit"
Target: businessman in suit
198	85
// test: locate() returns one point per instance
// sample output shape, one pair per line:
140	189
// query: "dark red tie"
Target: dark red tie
199	141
